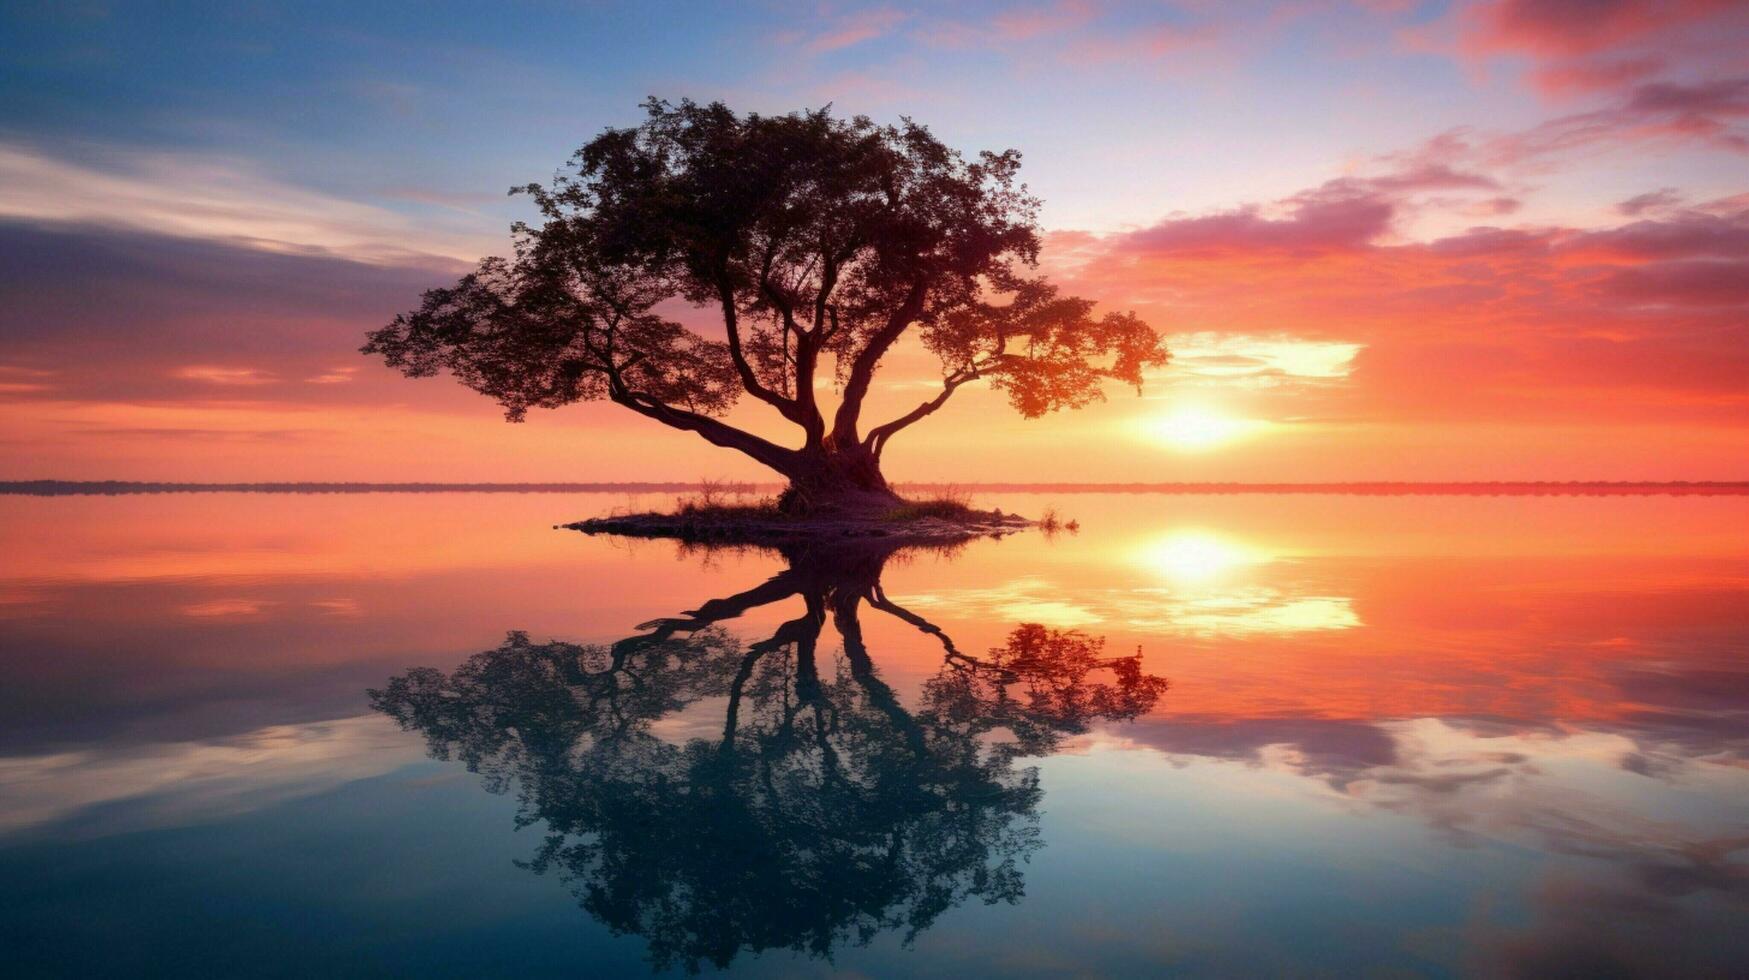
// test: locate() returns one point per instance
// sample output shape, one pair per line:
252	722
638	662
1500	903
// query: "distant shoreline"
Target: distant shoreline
1586	488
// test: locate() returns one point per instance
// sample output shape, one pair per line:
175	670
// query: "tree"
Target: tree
818	241
819	811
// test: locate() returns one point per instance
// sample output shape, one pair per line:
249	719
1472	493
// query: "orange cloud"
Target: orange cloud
220	375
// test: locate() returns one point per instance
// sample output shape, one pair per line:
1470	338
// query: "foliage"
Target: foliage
819	242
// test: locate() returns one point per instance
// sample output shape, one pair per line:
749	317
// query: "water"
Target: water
1322	735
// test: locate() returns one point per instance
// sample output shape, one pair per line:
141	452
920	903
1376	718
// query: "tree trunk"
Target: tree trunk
831	480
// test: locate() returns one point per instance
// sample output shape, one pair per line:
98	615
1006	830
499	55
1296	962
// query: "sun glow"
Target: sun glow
1194	557
1196	429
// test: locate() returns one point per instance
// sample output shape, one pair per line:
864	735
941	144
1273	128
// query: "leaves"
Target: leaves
1047	352
811	236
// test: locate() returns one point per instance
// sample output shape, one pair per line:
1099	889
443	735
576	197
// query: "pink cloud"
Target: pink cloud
1707	112
1010	27
1344	214
856	28
1588	76
1651	201
1688	283
1684	234
1330	218
1489	241
1020	25
1578	46
1493	207
1432	176
1578	26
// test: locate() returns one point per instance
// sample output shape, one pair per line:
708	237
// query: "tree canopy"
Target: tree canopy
818	241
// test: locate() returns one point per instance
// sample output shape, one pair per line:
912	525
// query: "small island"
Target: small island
944	520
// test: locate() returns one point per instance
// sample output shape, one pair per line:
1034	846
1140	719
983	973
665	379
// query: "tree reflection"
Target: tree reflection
821	811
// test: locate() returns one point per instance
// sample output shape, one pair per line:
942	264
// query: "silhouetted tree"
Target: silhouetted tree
820	812
819	242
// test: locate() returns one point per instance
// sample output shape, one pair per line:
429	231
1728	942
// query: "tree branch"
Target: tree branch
878	436
715	432
862	372
878	599
750	381
807	408
880	696
775	589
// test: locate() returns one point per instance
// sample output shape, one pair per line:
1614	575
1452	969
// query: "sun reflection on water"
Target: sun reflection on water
1247	610
1193	556
1212	589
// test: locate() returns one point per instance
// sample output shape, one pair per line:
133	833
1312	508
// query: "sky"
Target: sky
1386	239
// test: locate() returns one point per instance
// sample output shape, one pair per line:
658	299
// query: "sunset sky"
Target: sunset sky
1386	239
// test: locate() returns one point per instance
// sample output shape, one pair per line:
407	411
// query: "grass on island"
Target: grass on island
950	504
717	500
722	501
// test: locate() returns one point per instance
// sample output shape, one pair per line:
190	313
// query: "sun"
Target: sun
1197	429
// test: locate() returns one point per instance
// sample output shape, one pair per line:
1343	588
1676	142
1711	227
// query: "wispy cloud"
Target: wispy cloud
1231	358
856	28
122	790
220	375
333	376
191	196
16	380
228	608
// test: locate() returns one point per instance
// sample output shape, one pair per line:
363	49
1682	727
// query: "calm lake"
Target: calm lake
428	734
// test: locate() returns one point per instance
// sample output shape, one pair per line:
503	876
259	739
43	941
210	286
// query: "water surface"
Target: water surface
260	734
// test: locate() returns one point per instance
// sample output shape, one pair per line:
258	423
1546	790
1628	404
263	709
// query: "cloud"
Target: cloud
1129	34
220	375
1261	359
1634	322
1345	214
1687	284
115	790
229	608
334	376
1673	235
1338	216
1019	25
1566	27
1577	46
1431	176
1652	201
16	380
1707	112
855	28
1336	750
189	196
106	314
1053	21
79	429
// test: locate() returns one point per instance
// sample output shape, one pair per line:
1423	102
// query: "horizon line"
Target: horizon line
56	488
